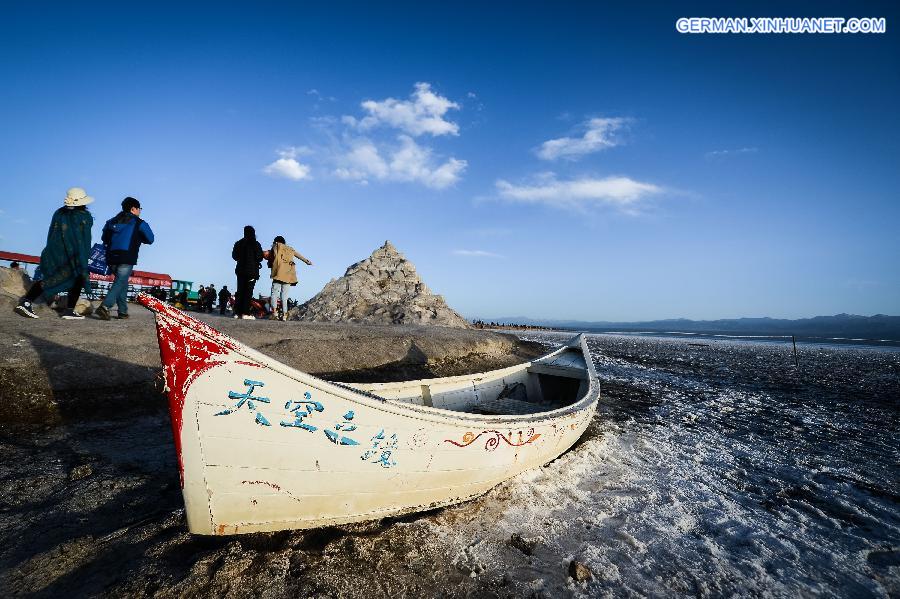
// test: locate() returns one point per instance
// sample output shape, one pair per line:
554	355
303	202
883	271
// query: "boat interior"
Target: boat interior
546	384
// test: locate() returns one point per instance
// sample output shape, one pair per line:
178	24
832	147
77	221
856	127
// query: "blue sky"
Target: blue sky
564	161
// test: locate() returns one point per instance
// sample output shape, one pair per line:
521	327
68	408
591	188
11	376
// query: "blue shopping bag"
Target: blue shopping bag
97	261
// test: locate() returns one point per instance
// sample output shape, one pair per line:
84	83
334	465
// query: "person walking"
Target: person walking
211	294
201	293
123	235
64	260
224	296
284	275
248	254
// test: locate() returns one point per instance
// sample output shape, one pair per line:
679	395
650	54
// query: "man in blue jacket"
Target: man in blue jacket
123	235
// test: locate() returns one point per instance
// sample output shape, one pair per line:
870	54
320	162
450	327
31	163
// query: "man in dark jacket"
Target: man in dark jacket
201	293
210	298
248	254
224	296
123	235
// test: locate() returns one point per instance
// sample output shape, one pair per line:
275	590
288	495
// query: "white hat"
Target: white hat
76	196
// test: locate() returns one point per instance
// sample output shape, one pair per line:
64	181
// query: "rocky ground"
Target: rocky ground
55	370
89	496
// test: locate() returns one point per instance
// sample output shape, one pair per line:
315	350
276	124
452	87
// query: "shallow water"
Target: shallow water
710	469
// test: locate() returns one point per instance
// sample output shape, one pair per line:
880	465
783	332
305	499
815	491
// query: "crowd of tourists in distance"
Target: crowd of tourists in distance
66	256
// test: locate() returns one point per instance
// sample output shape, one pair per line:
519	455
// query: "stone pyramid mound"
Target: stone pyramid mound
382	289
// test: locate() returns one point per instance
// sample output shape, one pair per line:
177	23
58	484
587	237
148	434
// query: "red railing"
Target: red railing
140	278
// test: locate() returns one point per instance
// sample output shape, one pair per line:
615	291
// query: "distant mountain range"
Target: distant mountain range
850	326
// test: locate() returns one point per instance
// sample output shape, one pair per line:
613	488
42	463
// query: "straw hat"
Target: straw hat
76	196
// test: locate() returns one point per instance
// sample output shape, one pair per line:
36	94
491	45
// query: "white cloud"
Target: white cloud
380	144
318	95
412	162
726	153
623	193
361	162
476	254
422	113
287	166
599	135
294	151
406	161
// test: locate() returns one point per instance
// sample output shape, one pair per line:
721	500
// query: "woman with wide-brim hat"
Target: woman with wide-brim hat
64	261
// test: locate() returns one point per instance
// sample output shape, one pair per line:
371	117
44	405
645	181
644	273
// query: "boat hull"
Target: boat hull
263	447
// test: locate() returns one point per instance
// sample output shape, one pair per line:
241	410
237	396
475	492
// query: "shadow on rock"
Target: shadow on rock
414	365
70	384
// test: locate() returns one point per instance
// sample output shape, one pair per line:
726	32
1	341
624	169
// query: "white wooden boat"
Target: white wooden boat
263	447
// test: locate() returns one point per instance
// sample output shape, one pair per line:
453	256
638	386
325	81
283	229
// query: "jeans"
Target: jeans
282	289
243	295
118	292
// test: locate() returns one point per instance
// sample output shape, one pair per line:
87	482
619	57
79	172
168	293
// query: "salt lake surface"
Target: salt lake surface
712	468
718	467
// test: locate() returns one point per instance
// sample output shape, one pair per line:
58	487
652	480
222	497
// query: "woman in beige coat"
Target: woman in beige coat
284	275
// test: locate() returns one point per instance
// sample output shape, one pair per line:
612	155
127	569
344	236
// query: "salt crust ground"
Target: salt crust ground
659	498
